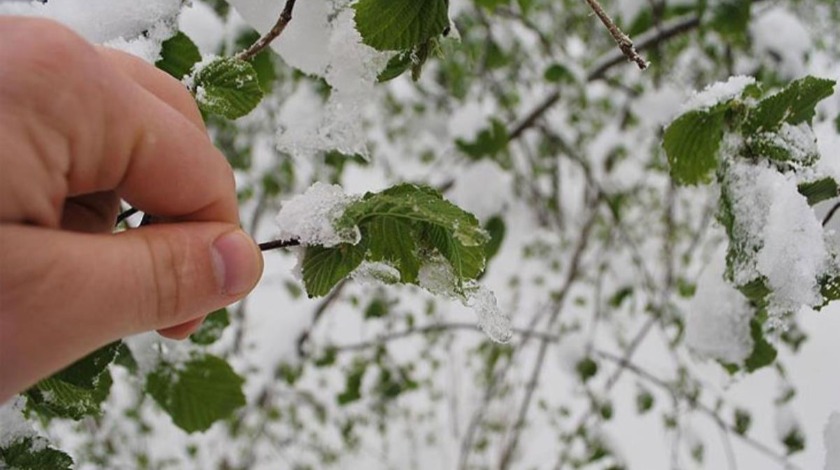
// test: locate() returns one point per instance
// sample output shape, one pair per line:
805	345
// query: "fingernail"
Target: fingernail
236	262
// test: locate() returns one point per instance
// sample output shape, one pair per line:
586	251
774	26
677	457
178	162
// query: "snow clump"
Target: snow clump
717	93
311	218
773	220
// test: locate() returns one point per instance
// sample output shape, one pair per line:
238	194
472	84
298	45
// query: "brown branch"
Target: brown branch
533	381
272	34
623	41
607	62
277	244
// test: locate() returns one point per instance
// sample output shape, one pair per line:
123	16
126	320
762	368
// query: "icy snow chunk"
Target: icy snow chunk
13	425
492	320
718	322
831	437
437	277
137	27
322	40
201	23
718	93
799	142
794	255
311	217
375	272
774	221
781	36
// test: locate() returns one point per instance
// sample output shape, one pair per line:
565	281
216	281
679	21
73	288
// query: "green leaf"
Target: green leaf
743	421
794	441
323	268
489	142
211	330
495	227
228	87
198	393
32	454
353	386
263	62
644	401
391	240
78	390
395	25
420	204
586	369
730	18
794	104
692	142
556	73
397	65
178	54
763	353
819	190
396	226
466	261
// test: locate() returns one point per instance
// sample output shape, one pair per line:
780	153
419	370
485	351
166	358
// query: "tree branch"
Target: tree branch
272	34
605	63
623	41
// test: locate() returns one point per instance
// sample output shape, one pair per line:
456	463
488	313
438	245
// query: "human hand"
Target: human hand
81	128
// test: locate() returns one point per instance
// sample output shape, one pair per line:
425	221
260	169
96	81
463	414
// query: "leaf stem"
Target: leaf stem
272	34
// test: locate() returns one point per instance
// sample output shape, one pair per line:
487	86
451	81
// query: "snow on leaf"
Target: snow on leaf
312	217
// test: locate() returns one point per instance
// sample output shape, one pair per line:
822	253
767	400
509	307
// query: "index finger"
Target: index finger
117	135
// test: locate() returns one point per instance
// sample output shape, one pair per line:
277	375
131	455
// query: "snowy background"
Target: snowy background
393	129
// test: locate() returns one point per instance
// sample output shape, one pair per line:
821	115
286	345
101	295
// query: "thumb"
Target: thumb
77	292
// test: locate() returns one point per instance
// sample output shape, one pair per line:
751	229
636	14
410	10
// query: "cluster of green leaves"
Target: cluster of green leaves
693	143
403	226
195	393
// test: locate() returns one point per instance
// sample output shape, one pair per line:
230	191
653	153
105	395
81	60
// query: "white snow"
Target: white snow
831	438
799	141
322	40
718	93
775	221
310	217
376	272
437	277
718	322
783	39
13	425
201	24
116	23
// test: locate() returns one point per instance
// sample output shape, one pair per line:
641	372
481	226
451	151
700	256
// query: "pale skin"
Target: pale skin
82	127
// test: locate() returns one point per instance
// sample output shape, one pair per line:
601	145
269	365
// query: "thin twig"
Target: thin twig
623	41
272	34
830	214
605	63
126	214
277	244
533	381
